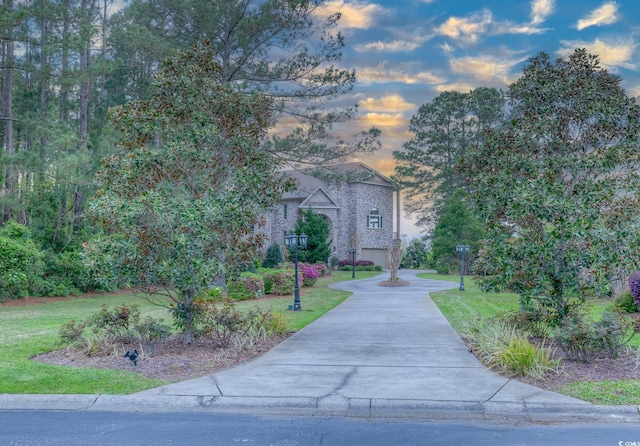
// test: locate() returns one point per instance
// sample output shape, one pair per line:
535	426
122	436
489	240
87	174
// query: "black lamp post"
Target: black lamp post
462	249
296	242
353	262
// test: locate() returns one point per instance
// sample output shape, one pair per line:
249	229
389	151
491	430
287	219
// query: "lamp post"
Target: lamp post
462	249
296	242
353	262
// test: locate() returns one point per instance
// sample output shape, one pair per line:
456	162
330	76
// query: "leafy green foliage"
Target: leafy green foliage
558	185
280	281
274	257
625	302
188	183
415	254
247	286
456	225
318	244
500	345
444	130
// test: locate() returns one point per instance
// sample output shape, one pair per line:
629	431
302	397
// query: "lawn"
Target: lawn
461	307
33	329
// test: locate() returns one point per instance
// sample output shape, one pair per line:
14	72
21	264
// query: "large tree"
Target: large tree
188	183
284	49
559	185
318	244
443	129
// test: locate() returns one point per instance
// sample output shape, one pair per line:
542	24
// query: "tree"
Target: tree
318	243
281	48
415	254
444	130
188	183
273	257
456	225
558	185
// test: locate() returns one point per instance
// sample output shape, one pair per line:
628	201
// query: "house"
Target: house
360	212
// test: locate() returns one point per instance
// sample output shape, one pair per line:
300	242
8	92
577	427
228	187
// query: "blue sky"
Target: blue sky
406	52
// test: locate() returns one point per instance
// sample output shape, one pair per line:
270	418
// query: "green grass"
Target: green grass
31	330
462	307
605	392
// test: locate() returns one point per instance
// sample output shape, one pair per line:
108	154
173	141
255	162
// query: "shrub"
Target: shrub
522	358
377	267
634	287
625	302
247	286
273	257
611	331
280	281
499	344
334	262
576	337
213	293
117	322
364	263
21	268
149	332
322	269
343	263
221	321
309	274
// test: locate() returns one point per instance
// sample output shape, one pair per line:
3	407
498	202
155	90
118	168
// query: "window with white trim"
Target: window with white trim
374	219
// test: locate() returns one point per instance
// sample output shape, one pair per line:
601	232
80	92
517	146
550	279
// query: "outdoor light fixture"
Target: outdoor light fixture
296	242
462	249
353	262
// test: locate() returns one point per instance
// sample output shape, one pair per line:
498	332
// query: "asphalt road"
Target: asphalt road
68	428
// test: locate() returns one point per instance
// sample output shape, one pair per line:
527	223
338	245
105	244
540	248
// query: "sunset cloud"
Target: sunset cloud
612	54
389	103
606	14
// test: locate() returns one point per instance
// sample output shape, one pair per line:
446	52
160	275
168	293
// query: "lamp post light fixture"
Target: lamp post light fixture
462	249
353	262
296	242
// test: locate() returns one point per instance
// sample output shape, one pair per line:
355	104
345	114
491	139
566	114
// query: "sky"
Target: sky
406	52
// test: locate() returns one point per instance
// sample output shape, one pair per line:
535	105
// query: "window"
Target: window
374	220
285	211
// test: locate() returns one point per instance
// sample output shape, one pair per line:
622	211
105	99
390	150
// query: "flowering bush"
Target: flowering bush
248	286
309	274
364	263
322	269
634	286
279	281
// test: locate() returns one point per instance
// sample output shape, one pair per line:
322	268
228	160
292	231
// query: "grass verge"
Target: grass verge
463	307
31	330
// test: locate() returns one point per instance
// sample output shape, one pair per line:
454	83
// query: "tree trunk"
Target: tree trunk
7	112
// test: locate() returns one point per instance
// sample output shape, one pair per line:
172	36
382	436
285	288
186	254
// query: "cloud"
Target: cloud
540	10
487	68
612	54
380	74
353	14
384	120
606	14
467	28
461	87
390	47
389	103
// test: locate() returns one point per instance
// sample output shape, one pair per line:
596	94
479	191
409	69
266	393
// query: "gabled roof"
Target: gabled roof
320	199
308	183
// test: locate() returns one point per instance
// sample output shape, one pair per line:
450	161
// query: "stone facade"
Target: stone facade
358	210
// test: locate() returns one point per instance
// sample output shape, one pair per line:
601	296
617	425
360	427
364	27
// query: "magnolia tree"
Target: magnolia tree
187	185
558	185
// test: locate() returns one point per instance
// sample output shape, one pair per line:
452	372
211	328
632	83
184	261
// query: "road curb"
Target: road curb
328	406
